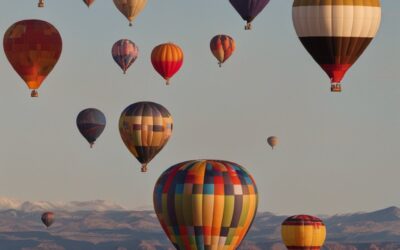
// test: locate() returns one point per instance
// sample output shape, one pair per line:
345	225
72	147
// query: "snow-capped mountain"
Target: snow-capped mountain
28	206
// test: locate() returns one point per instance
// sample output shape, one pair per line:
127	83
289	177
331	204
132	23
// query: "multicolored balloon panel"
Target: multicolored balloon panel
130	8
33	48
249	9
145	128
48	218
125	53
205	204
91	123
336	32
222	47
167	59
303	232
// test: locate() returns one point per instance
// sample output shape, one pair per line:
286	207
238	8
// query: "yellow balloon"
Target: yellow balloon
130	8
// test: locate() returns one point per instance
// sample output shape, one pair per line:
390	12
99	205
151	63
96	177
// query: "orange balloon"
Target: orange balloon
222	47
33	48
167	59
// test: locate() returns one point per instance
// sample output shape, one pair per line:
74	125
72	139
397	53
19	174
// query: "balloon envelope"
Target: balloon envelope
303	232
205	204
273	141
124	53
33	48
88	2
130	8
336	34
222	47
48	218
91	123
167	59
145	128
249	9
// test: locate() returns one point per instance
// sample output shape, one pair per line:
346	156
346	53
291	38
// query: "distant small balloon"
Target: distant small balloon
249	9
130	8
91	123
222	47
303	232
88	2
167	59
124	53
41	4
48	218
273	141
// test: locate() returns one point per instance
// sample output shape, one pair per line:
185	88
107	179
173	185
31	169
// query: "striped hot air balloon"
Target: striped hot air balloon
91	123
222	47
47	218
205	204
145	128
88	2
33	48
336	32
124	52
167	59
130	8
303	232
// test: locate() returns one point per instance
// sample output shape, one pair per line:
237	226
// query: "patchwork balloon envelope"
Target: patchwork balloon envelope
124	53
130	8
222	47
205	204
33	48
336	32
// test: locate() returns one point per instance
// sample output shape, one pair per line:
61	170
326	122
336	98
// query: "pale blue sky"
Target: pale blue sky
338	152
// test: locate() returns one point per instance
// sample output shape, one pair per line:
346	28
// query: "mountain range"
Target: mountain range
101	225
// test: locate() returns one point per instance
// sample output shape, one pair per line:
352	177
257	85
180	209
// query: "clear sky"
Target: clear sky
338	152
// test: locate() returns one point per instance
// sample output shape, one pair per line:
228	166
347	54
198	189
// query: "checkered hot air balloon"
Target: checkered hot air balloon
336	32
124	53
205	204
249	9
167	59
33	48
91	123
130	8
303	232
145	128
222	47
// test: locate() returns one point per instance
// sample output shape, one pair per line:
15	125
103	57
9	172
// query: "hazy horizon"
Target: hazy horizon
337	153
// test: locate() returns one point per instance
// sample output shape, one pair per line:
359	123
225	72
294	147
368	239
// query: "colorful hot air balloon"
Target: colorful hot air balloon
91	123
167	59
48	218
273	141
303	232
33	48
130	8
249	9
222	47
336	32
145	128
124	53
41	3
205	204
88	2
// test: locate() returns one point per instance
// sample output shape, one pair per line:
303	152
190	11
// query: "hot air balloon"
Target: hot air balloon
336	32
222	47
41	3
88	2
33	48
205	204
130	8
303	232
145	128
167	59
48	218
249	9
273	141
124	53
91	123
